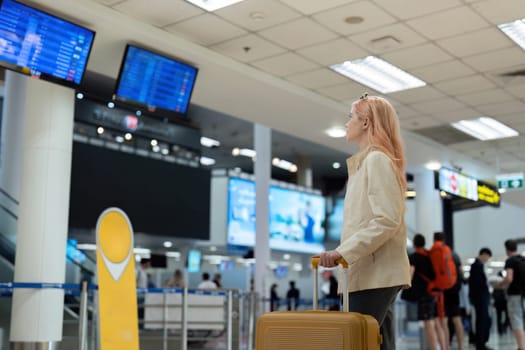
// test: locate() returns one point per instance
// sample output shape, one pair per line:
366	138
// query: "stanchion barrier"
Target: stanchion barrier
81	290
82	324
70	289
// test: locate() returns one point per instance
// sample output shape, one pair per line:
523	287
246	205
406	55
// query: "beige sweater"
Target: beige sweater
373	238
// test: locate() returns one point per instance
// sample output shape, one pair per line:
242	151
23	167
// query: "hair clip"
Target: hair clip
364	96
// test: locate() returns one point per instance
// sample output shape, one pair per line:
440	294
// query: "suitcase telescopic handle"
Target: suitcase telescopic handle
315	266
340	261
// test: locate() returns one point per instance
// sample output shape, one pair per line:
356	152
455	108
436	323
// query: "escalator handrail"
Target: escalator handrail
7	249
4	192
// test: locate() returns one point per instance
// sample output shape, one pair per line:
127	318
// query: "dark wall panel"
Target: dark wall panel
160	198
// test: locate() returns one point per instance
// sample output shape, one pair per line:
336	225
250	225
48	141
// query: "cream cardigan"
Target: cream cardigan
373	238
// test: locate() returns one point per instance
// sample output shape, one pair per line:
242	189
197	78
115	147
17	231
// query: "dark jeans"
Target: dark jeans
378	303
482	323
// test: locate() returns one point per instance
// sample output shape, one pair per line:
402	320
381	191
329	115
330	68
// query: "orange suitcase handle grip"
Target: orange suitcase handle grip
340	261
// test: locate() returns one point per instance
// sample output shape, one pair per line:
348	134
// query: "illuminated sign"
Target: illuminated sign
488	194
510	181
458	184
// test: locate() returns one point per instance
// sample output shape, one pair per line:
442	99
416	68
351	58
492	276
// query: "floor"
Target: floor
496	342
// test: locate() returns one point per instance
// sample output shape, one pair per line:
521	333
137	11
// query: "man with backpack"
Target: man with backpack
422	274
515	280
446	276
452	306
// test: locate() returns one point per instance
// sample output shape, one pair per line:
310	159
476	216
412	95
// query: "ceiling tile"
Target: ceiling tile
257	14
159	13
388	38
405	112
465	85
448	23
312	6
298	33
508	107
419	123
373	17
484	97
395	103
485	62
418	56
206	29
317	79
108	2
443	71
494	11
438	106
512	118
331	52
469	44
415	8
424	93
517	90
521	128
285	64
456	115
472	146
344	92
248	48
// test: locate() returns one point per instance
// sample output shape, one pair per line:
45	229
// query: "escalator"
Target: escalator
8	222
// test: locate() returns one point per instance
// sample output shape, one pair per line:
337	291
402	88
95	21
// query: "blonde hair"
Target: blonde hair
384	132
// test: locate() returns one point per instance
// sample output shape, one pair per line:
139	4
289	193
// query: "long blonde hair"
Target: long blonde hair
384	132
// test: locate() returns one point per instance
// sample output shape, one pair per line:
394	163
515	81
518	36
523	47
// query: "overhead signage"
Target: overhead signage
458	184
510	181
488	193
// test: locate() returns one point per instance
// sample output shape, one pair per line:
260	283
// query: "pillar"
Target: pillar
428	206
47	110
263	145
304	172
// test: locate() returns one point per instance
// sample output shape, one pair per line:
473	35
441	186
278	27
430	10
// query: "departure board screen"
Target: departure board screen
155	81
43	46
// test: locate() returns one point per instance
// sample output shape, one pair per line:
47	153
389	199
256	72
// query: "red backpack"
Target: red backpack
444	266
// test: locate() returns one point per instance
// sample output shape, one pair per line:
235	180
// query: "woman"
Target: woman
373	238
177	281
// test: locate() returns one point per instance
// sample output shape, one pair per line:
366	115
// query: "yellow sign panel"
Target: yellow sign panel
117	291
488	194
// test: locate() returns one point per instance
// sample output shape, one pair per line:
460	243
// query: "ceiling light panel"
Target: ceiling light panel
209	142
378	75
485	128
515	30
212	5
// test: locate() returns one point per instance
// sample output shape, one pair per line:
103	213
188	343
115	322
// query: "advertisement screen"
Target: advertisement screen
458	184
194	260
241	212
296	219
335	220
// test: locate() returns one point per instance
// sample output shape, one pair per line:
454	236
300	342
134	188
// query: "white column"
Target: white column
12	133
304	172
43	212
429	211
263	145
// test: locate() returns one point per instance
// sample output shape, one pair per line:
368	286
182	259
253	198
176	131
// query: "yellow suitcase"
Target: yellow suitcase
316	329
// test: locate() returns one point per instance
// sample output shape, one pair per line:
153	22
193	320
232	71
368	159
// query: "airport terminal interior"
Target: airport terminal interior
141	139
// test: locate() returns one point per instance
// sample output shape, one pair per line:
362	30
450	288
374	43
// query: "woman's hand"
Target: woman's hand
328	258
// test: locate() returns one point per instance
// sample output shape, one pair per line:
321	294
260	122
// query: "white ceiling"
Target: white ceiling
266	61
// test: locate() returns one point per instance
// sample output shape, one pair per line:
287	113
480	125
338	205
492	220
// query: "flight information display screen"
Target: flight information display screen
41	45
155	81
